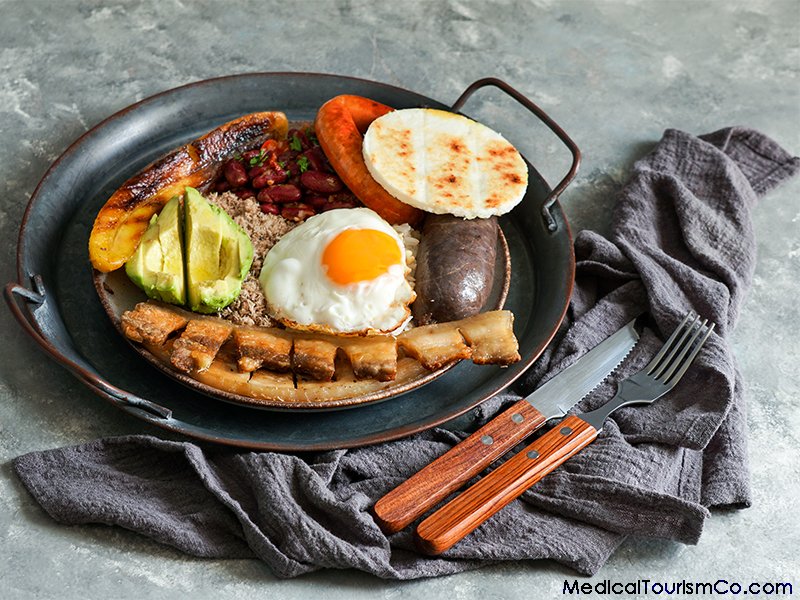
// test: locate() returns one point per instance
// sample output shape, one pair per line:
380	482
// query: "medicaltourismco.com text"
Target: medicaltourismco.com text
721	587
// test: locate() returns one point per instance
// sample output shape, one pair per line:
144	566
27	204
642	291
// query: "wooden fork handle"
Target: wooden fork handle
434	483
467	511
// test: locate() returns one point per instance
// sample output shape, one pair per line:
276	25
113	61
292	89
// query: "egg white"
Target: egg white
300	295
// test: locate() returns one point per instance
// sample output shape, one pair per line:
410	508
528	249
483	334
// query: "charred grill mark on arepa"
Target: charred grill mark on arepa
445	163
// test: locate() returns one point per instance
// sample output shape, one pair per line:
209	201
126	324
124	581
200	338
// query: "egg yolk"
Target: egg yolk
356	255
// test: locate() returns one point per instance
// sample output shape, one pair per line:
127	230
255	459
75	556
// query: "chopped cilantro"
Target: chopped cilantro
258	160
312	137
302	162
295	144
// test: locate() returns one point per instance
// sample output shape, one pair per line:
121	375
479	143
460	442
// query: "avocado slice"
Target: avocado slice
218	255
157	264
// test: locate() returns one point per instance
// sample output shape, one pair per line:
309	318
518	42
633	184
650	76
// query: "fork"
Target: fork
466	512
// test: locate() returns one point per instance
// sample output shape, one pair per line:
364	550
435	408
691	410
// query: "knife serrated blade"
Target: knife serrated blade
447	473
556	397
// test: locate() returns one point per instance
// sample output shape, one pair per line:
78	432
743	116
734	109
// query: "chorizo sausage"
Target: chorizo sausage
340	126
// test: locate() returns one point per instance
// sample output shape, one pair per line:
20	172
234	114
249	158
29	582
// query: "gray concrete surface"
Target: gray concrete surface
615	74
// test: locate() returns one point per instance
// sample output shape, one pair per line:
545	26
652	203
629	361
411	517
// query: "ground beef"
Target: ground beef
264	230
250	308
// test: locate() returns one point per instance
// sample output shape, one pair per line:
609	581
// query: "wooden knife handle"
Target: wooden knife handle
467	511
434	483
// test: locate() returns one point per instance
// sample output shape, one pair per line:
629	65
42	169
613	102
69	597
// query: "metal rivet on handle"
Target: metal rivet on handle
517	418
487	439
533	454
565	431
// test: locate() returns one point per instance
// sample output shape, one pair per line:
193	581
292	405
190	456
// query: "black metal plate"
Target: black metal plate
74	327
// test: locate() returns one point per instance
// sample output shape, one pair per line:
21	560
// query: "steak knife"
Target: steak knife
446	474
467	511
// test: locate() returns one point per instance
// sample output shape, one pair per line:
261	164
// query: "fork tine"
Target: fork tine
668	345
676	358
690	359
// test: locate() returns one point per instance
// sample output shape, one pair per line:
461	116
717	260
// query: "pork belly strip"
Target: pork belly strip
152	322
199	343
487	338
258	347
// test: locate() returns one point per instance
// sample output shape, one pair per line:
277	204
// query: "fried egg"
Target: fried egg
342	272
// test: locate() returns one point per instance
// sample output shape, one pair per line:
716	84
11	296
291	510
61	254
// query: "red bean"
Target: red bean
345	197
244	193
256	172
304	143
270	177
235	173
282	194
270	209
316	159
338	204
222	186
248	154
317	202
321	183
297	212
292	168
263	195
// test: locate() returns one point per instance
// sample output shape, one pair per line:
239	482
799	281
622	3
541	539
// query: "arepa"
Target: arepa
442	162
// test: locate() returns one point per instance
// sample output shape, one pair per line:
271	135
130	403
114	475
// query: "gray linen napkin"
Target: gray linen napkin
682	239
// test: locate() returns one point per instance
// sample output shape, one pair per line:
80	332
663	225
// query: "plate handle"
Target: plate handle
14	292
551	198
